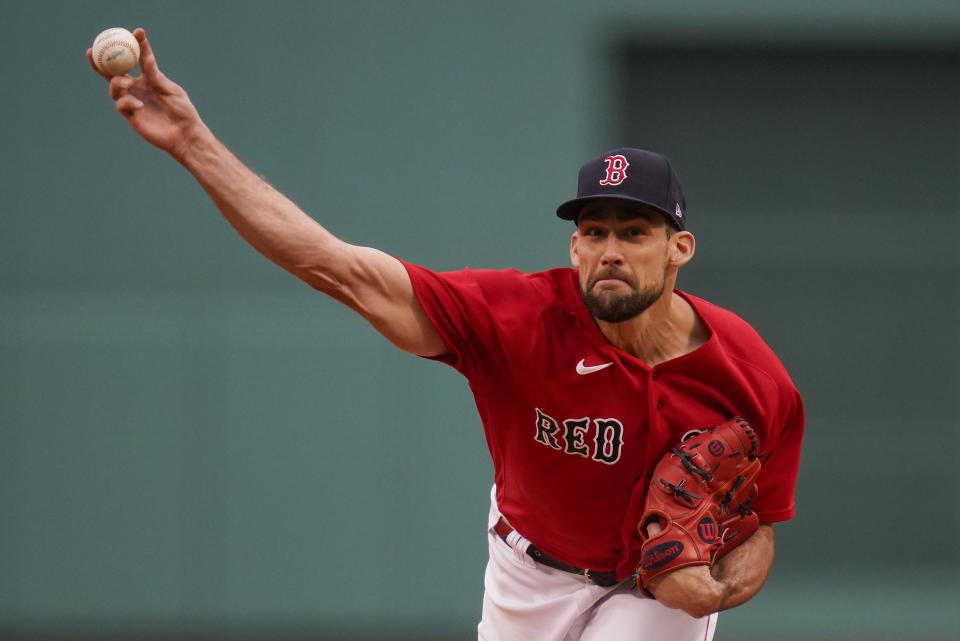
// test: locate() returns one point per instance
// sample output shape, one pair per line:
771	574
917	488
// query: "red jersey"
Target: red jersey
575	425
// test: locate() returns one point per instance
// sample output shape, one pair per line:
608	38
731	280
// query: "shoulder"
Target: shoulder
500	286
741	343
487	317
552	282
774	406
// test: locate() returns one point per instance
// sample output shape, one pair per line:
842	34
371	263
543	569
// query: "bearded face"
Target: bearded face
615	296
623	255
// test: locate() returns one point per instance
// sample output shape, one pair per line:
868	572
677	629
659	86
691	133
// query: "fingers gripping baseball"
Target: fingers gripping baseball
155	107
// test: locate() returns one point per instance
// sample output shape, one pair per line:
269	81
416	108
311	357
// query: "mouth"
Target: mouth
609	280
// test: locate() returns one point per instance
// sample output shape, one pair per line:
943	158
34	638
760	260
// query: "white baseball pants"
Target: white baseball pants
525	601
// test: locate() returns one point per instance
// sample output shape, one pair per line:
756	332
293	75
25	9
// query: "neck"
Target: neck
668	329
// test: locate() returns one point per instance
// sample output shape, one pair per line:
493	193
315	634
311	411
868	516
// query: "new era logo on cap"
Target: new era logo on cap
636	175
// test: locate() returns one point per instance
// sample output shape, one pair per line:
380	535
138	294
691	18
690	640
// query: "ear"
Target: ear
574	256
682	247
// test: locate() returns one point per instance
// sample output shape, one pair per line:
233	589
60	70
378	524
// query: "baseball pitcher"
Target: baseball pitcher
644	441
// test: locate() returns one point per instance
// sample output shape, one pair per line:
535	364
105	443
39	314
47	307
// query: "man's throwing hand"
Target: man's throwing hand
157	108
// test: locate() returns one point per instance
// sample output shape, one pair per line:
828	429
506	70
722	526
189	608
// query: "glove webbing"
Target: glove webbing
687	460
680	491
752	455
744	507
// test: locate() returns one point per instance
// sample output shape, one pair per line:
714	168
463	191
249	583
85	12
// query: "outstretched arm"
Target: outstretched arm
369	281
733	580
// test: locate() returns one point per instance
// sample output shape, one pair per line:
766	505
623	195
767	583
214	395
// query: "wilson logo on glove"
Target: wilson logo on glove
707	529
661	554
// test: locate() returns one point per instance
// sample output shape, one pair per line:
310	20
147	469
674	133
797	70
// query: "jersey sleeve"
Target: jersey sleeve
778	476
481	316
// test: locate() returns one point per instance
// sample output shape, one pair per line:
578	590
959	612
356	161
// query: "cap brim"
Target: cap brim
570	210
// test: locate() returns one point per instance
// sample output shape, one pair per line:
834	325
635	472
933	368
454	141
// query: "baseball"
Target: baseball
116	51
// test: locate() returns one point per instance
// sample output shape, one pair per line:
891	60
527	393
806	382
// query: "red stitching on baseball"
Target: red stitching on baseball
110	43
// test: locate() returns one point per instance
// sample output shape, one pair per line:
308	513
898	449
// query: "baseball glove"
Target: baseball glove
700	496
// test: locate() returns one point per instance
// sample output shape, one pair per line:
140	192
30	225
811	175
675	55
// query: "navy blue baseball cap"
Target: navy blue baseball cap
636	175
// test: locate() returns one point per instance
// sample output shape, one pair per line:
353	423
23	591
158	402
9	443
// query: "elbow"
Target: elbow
691	590
334	273
332	287
324	268
321	277
320	280
702	604
699	612
336	288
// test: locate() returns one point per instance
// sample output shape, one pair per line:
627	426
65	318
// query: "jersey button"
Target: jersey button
660	404
656	376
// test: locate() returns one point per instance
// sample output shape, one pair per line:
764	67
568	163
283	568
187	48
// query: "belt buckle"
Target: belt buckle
586	575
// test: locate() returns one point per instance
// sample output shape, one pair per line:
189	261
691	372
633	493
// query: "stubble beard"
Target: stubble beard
616	308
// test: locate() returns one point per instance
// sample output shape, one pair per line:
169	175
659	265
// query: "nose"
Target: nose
612	255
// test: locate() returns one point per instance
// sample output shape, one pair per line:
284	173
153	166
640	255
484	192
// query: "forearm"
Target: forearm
744	570
265	218
733	580
370	282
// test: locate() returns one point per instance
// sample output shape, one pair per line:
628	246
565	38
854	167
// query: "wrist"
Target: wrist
724	595
195	143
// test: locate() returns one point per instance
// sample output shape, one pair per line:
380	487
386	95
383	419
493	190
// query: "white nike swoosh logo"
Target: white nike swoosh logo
590	369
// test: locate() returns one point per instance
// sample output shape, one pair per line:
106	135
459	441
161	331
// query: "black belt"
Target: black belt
603	579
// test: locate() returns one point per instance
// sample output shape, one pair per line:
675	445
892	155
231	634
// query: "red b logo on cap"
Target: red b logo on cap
616	170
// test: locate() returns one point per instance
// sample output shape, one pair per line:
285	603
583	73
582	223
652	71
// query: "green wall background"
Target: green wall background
193	442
